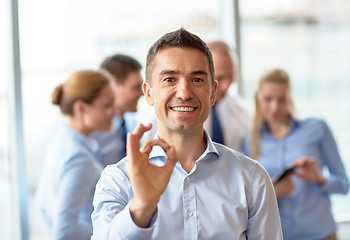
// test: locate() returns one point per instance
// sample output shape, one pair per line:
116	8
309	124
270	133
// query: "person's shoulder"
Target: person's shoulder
115	176
243	165
313	122
117	169
65	141
67	151
235	156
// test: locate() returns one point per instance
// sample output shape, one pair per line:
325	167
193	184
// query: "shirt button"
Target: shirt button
188	179
190	214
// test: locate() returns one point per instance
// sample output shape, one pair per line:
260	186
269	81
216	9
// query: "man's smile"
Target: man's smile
183	109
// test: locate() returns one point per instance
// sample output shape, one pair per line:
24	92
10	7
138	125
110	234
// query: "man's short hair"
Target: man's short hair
179	38
120	66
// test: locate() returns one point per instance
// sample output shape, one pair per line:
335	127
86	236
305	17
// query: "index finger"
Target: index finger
133	139
141	129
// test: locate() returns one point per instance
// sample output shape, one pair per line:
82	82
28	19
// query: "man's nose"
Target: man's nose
184	90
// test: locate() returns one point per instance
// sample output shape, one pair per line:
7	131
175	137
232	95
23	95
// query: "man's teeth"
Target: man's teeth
183	109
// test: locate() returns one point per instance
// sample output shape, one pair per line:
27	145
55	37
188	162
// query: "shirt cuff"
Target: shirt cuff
129	230
327	185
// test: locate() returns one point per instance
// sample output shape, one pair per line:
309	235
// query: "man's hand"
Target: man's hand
308	170
147	180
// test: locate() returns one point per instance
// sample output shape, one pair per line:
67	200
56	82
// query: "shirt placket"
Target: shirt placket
189	208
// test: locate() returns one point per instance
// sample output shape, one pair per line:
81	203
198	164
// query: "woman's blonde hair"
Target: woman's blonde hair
274	75
82	85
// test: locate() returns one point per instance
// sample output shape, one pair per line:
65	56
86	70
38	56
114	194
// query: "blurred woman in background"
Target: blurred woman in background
279	141
71	168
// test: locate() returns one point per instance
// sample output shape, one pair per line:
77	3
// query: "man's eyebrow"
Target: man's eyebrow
166	72
200	72
196	72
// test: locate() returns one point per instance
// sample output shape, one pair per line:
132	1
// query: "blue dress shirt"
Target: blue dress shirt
66	189
306	213
112	146
225	196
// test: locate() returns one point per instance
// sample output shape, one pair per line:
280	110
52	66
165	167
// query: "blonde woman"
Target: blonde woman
279	141
72	168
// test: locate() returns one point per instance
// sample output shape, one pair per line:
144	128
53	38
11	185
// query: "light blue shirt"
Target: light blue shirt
306	213
112	147
225	196
66	189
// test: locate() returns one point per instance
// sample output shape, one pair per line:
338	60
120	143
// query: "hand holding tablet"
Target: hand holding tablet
286	172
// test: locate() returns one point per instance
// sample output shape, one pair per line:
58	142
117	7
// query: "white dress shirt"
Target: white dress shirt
226	195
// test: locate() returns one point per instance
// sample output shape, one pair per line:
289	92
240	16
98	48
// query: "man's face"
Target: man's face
181	89
224	73
128	93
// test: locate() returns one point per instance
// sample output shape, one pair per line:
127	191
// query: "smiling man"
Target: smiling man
181	185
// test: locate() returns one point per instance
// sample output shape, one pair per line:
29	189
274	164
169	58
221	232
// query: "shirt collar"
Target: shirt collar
294	124
157	151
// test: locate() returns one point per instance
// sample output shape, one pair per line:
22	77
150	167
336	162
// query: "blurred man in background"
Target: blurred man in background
125	71
229	119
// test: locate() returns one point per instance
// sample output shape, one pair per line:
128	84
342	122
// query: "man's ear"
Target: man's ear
78	107
213	93
147	92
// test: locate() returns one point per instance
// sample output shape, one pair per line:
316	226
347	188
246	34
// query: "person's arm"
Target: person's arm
132	219
263	214
337	181
76	187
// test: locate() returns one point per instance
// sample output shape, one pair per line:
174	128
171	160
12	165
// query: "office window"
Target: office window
6	206
309	39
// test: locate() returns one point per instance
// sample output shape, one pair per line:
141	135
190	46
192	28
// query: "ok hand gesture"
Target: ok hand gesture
147	180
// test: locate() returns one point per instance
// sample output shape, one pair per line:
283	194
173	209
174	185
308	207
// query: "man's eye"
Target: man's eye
198	80
169	79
